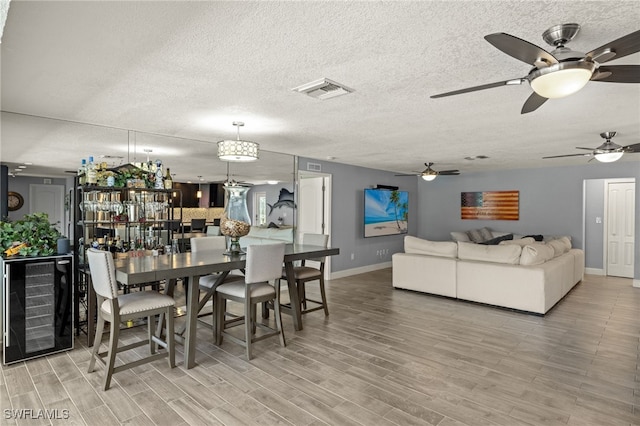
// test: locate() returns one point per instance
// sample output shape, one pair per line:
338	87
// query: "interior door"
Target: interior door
314	208
48	199
260	208
620	228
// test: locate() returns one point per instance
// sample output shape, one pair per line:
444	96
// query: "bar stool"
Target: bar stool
304	274
116	308
264	264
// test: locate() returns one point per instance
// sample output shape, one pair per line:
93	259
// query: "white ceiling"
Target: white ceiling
189	69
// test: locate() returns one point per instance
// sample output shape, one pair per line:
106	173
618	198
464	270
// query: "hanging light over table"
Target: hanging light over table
237	150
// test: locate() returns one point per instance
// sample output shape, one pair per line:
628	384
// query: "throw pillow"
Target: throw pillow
536	237
486	234
536	254
459	236
559	247
475	236
497	240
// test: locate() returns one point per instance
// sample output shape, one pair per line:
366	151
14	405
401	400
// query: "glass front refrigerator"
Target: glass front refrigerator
37	306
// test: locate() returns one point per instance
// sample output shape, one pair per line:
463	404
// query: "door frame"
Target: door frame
302	174
605	228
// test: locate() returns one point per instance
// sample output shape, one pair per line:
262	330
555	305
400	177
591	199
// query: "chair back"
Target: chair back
316	240
198	224
213	230
211	243
103	273
264	262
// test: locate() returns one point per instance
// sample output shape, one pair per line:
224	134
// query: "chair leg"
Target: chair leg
170	338
277	314
324	297
248	327
96	343
113	349
151	325
302	295
254	317
219	306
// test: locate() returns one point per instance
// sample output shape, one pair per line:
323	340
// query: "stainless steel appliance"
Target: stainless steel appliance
37	306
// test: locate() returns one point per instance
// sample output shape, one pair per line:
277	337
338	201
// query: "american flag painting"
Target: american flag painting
490	205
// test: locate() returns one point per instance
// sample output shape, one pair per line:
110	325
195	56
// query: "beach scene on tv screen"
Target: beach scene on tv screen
385	212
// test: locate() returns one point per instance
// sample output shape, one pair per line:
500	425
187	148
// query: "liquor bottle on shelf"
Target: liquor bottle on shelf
159	180
82	172
168	182
92	173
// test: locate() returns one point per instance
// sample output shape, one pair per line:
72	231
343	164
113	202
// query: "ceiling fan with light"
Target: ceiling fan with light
429	174
562	71
608	152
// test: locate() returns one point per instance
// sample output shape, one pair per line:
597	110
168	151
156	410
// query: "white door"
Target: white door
260	208
48	199
314	208
620	228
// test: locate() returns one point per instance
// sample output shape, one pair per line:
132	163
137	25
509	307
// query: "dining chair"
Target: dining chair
304	274
262	272
117	308
197	225
214	244
213	230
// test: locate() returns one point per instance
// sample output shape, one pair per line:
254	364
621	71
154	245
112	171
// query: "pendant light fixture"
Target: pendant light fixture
237	150
199	193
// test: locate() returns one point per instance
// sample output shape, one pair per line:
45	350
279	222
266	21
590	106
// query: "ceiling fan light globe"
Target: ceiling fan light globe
609	157
429	177
560	80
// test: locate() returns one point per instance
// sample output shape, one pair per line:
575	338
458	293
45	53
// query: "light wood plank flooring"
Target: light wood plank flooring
382	357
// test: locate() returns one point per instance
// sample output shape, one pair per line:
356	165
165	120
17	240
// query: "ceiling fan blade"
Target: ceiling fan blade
484	86
569	155
618	74
632	148
623	46
588	149
449	172
520	49
409	175
532	103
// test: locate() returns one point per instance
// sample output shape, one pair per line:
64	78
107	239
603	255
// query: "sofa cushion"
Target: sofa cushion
536	254
475	235
518	242
559	247
496	234
497	254
498	240
432	248
459	236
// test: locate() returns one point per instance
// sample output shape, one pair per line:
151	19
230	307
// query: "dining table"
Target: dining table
190	265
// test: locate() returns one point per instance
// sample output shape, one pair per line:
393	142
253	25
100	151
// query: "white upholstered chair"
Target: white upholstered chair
207	283
262	272
116	308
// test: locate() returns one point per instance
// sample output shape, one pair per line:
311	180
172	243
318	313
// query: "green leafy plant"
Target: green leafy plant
35	231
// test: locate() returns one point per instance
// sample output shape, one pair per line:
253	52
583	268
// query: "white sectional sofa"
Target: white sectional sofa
520	274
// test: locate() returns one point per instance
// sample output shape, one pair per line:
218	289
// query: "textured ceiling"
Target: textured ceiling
189	69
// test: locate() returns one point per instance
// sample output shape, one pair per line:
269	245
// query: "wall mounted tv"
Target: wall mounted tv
385	212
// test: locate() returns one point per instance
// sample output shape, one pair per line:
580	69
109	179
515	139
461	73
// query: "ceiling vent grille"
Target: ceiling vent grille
323	89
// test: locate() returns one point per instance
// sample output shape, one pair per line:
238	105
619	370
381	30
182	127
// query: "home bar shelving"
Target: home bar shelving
124	221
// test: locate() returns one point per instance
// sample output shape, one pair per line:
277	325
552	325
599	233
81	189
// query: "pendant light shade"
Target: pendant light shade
237	150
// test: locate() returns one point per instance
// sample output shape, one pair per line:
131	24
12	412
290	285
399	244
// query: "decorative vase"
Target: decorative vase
235	221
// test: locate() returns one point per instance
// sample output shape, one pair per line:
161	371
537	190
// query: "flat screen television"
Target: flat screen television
386	212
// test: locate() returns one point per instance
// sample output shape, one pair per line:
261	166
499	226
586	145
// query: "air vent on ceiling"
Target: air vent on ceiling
323	89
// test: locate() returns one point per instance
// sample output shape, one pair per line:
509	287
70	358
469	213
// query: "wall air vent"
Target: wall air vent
323	89
314	167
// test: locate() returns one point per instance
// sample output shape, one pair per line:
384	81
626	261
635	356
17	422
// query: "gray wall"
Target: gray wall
347	222
594	232
551	202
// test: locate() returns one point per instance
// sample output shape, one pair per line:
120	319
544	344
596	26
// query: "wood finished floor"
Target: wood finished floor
382	357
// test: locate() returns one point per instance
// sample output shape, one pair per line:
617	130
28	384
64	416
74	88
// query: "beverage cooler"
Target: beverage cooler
37	306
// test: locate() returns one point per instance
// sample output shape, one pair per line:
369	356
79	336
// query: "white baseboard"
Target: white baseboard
636	283
594	271
360	270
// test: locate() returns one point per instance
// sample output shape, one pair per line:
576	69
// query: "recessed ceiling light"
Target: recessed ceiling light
272	182
28	164
22	167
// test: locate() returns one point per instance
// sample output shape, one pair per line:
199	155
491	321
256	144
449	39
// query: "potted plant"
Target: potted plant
32	236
